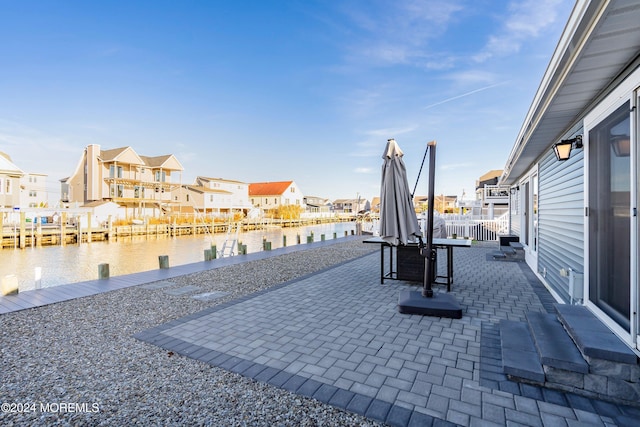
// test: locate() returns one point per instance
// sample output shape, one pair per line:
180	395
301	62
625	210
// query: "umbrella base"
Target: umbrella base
440	305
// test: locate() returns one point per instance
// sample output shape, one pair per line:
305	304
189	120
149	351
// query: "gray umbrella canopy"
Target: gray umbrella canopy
398	220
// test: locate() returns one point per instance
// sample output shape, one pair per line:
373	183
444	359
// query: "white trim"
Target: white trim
526	223
635	244
627	91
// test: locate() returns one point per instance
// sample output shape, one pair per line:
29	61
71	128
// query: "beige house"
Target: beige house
143	185
21	189
10	176
215	195
270	195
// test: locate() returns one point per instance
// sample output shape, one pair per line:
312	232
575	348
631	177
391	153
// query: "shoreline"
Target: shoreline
83	351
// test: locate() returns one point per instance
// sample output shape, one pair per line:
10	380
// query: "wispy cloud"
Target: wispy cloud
455	166
399	32
526	20
463	95
364	170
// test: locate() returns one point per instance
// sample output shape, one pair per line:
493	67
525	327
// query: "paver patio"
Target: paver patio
337	336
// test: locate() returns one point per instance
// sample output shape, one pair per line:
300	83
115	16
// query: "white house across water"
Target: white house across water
578	218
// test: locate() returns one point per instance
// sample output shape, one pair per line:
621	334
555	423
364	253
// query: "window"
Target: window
138	192
293	190
32	193
7	187
115	171
160	176
1	187
116	190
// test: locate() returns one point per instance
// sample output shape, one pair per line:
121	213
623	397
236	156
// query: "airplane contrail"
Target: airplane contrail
463	95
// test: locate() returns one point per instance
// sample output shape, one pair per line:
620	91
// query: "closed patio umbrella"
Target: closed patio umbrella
398	220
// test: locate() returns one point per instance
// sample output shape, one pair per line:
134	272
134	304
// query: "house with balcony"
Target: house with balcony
270	195
140	185
215	196
351	206
317	205
574	184
491	197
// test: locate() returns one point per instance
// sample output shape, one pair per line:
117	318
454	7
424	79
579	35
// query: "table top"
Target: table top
462	243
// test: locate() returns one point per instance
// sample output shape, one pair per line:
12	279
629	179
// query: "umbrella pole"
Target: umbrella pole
427	291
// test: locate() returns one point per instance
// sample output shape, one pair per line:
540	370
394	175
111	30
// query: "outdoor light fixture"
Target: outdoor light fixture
621	145
563	148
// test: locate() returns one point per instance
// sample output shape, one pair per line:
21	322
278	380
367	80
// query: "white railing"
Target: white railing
496	193
477	229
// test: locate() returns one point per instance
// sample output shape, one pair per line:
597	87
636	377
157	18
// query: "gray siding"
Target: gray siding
561	219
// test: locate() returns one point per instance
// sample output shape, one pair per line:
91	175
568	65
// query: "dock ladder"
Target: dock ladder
231	240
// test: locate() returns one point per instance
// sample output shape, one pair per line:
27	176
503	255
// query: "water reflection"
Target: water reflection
75	263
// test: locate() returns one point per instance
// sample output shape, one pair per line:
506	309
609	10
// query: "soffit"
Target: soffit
604	42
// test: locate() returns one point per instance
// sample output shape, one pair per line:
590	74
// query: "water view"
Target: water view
58	265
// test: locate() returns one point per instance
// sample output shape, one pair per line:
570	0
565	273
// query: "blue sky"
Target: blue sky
298	90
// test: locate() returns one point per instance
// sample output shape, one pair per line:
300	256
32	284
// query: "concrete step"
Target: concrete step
593	338
507	250
555	347
516	245
519	356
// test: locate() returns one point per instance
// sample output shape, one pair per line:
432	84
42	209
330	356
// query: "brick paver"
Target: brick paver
337	336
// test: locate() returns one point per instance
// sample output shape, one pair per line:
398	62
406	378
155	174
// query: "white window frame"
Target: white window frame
627	91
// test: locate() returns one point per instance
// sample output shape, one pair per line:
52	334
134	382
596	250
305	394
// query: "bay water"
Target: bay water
57	265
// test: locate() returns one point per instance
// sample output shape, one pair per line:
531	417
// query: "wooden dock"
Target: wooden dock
23	235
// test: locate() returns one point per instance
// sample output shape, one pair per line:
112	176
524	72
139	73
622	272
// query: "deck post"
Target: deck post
88	227
23	233
63	231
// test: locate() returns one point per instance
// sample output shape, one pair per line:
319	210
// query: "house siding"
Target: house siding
561	219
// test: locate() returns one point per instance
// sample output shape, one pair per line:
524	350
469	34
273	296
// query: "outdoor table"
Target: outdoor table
447	244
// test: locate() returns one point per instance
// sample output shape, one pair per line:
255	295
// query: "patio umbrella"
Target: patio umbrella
398	220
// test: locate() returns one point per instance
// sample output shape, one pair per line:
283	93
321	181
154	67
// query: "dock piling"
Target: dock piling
103	271
163	260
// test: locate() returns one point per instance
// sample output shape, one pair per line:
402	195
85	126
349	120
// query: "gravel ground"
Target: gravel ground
76	362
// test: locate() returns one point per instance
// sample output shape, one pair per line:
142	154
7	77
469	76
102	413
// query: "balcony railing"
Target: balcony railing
496	193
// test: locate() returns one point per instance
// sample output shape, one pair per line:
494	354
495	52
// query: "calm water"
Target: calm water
75	263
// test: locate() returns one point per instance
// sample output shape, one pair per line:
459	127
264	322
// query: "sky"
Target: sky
260	90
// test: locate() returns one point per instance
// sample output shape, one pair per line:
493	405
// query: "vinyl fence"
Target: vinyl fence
477	229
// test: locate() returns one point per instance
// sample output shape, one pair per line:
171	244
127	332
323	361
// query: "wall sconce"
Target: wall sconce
621	145
563	148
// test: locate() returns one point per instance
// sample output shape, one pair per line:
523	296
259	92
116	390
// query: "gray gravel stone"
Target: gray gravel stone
77	363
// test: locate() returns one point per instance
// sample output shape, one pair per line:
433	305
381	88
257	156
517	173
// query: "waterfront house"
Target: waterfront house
573	170
317	205
143	185
351	206
33	190
375	204
270	195
10	176
216	196
19	189
493	198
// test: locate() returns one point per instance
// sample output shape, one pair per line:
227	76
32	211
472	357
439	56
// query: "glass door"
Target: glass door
609	212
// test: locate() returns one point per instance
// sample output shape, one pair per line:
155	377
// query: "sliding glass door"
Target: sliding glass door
609	216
